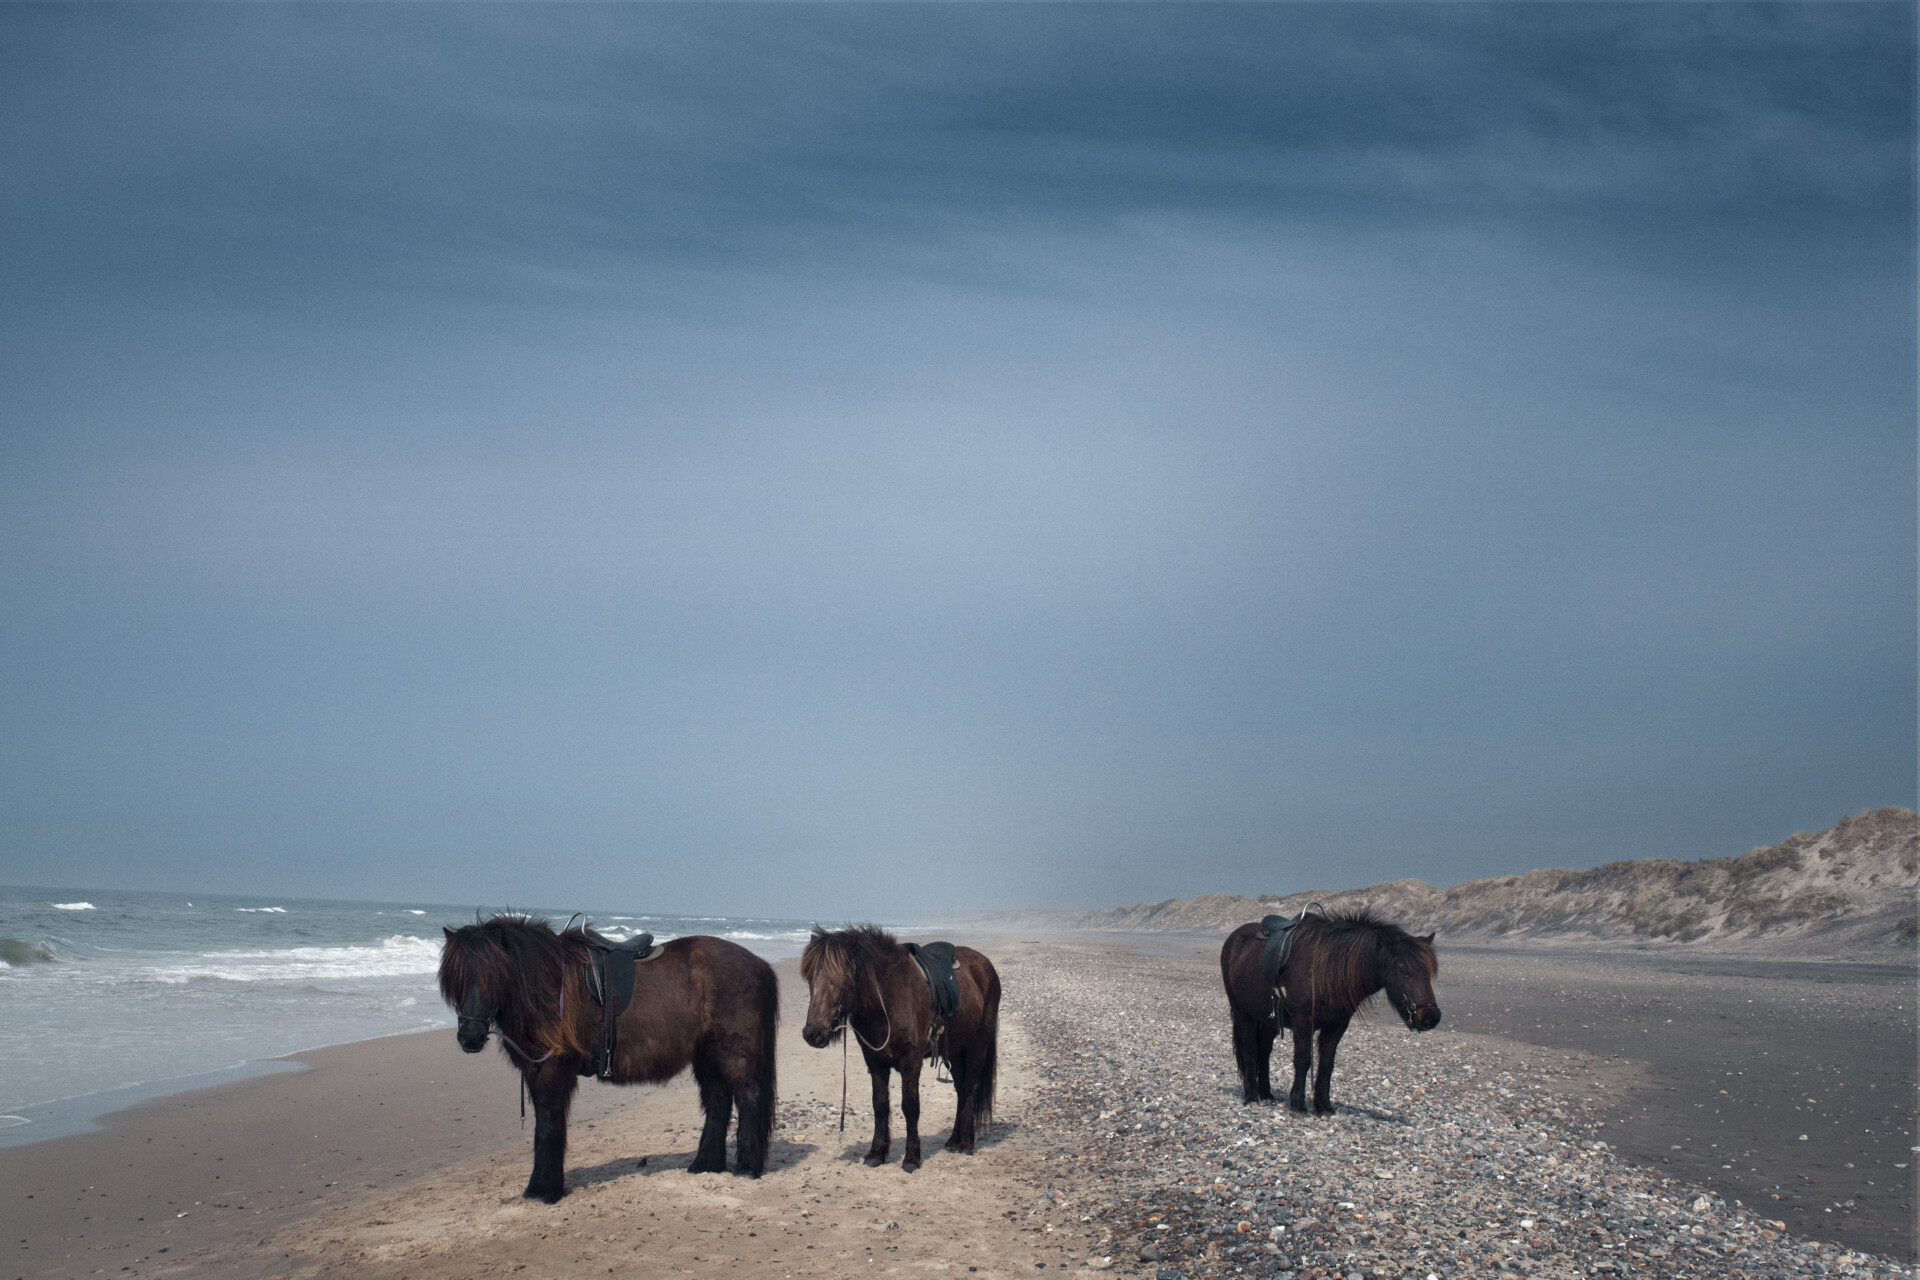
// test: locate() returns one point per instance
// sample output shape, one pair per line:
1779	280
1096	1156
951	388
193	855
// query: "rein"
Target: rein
549	1053
848	1026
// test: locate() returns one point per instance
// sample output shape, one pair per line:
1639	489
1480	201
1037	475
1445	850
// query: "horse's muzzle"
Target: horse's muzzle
475	1022
1423	1017
817	1036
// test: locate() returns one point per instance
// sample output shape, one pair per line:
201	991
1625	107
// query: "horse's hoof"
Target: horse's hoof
543	1194
874	1162
908	1166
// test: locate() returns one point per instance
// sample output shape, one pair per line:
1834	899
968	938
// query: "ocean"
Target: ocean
108	998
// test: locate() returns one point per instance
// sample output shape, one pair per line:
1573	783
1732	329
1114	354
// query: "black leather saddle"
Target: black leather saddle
610	979
1278	932
936	960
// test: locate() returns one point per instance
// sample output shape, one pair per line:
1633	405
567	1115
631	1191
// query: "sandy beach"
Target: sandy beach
1120	1145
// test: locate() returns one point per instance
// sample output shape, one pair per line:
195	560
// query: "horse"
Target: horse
1339	962
697	1001
863	978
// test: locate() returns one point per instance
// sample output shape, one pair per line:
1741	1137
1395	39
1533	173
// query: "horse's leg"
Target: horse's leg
1323	1078
910	1108
1302	1063
551	1089
716	1099
882	1114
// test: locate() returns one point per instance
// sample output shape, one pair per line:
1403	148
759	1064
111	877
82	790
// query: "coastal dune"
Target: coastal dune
1854	887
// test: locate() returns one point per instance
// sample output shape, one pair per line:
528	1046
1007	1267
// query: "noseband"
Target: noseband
474	1002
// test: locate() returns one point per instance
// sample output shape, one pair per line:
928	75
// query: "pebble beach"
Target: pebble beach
1444	1159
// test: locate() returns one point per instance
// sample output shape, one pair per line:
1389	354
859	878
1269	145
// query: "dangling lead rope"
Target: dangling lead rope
848	1026
529	1057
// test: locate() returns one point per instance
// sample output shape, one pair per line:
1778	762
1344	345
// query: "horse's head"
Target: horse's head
464	973
828	965
832	964
1407	969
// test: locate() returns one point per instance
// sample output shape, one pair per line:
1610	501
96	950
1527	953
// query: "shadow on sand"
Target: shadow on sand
780	1155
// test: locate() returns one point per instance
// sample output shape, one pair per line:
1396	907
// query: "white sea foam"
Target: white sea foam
74	906
399	956
259	910
414	912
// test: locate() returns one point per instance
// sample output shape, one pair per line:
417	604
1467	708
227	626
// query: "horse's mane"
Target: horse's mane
833	958
520	965
1358	947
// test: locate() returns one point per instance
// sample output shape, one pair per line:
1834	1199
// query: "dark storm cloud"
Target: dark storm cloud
864	459
276	150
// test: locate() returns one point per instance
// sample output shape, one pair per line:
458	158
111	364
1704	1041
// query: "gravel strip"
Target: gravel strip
1437	1165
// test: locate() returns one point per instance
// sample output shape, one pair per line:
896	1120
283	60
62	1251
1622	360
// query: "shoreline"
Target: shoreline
82	1113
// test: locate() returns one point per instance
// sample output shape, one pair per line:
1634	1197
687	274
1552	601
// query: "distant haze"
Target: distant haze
867	461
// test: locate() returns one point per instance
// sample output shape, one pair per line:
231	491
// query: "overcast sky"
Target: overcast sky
865	460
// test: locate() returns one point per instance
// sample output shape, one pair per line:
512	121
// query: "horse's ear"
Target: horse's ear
1427	938
448	932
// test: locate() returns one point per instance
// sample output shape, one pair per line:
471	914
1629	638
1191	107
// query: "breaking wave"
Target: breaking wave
18	951
401	955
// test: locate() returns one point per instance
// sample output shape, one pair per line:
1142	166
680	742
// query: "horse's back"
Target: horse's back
692	989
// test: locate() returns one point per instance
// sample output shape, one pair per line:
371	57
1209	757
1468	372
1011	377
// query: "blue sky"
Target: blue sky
865	460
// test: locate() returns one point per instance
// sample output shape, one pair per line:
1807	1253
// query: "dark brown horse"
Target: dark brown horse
864	978
704	1002
1339	962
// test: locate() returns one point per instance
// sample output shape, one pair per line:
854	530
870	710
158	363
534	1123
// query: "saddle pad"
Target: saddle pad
936	961
1278	931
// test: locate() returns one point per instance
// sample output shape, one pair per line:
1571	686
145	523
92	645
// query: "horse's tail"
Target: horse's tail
988	1060
759	1118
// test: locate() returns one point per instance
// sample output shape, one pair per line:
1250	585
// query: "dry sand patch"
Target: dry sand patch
633	1209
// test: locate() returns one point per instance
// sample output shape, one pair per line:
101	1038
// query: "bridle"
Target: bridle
470	1011
1415	1010
846	1016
